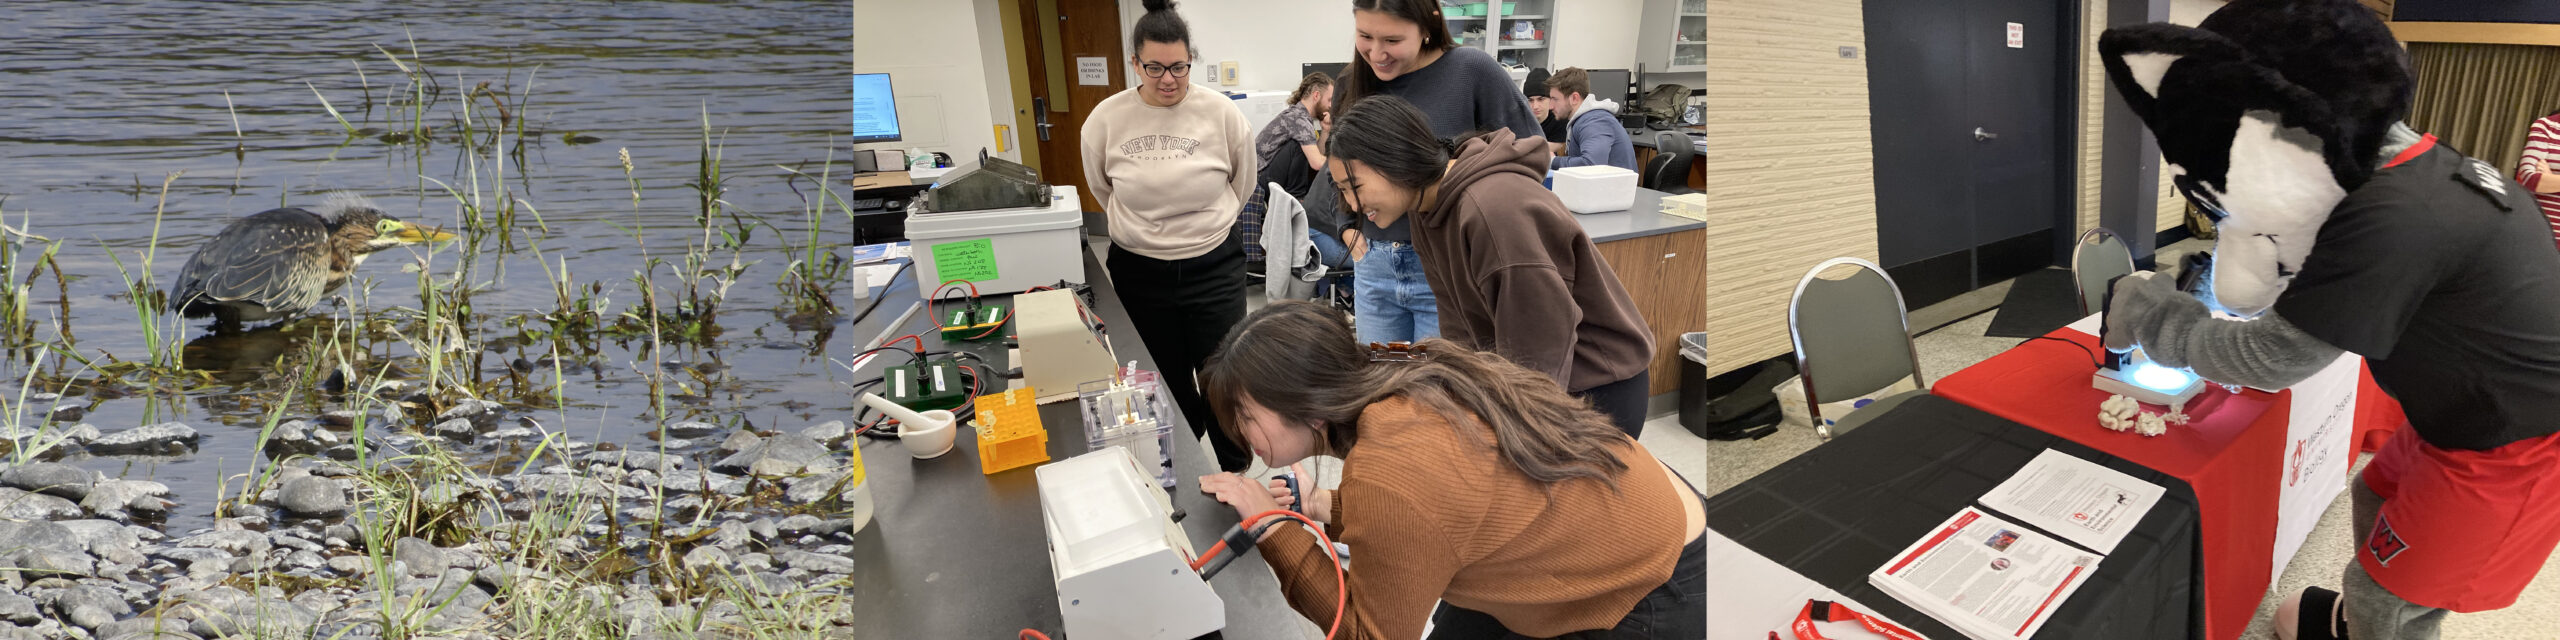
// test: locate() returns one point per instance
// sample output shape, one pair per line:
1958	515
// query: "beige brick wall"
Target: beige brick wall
1789	163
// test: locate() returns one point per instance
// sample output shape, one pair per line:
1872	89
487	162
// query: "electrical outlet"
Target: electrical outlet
1227	73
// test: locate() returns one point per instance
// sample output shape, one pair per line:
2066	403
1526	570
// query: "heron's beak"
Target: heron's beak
413	234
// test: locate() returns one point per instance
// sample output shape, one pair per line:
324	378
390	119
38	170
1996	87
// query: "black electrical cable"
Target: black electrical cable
875	300
2094	360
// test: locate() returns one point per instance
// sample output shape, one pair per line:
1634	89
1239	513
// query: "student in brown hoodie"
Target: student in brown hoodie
1514	271
1465	479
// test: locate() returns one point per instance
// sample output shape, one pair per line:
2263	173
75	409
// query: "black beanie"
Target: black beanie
1536	85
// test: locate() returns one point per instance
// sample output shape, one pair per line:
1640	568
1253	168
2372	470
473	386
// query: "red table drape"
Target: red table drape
2232	453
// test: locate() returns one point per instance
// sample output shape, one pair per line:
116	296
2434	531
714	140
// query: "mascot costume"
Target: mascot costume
2339	228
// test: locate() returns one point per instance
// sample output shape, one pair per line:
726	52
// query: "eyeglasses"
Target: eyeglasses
1180	70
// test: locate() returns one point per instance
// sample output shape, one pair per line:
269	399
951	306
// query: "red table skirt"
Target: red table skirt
2232	453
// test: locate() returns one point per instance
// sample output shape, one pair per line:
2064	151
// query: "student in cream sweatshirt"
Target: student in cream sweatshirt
1171	163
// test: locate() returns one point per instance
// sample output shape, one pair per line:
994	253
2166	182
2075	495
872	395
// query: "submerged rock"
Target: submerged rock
159	438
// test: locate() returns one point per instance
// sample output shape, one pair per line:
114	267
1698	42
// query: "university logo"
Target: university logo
2385	543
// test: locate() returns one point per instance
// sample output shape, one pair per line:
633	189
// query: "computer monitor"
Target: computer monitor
1329	69
875	109
1613	84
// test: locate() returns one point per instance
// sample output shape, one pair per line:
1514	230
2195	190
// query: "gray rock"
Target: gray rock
830	432
481	412
313	497
797	525
91	607
771	584
234	542
818	562
512	433
44	534
50	478
781	455
20	505
56	562
165	437
147	628
298	437
351	565
811	489
18	610
341	418
423	558
740	440
755	562
117	553
117	495
457	429
731	535
256	617
692	429
637	460
696	481
192	556
706	560
304	560
765	529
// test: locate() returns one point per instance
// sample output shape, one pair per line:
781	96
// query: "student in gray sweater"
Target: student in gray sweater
1404	50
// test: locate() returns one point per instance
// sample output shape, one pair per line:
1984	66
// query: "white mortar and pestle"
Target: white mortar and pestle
926	435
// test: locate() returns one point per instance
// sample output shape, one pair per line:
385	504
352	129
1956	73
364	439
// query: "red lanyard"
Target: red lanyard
1822	611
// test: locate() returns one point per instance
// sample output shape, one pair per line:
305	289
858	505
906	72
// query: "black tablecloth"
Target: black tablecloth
955	554
1842	510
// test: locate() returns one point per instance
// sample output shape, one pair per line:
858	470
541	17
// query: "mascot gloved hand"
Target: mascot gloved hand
2338	228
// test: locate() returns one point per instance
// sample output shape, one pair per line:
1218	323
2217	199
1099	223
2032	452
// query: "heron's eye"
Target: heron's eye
386	227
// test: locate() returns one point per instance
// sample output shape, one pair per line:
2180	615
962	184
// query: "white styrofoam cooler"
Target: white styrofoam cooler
1033	246
1595	189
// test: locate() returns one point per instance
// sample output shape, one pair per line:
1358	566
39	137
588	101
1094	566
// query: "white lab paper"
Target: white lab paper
1985	577
2083	502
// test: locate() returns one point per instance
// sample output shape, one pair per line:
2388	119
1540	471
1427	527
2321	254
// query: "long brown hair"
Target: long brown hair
1300	360
1358	80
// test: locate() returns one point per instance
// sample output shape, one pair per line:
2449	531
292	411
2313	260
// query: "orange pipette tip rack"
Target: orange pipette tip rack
1009	431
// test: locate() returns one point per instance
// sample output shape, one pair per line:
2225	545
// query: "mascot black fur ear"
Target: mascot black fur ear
2267	114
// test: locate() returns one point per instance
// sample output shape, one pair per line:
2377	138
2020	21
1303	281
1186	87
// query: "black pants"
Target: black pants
1181	309
1623	400
1677	610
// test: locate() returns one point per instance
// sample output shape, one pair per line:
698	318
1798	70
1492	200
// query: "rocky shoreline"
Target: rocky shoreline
712	532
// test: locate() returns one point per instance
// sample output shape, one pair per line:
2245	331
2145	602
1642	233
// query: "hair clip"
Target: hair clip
1398	352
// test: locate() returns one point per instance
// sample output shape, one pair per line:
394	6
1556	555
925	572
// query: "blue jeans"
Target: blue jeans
1392	300
1329	250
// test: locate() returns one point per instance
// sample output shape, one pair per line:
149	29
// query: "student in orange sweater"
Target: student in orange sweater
1465	479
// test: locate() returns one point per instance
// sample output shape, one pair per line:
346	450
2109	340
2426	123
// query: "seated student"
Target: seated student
1549	121
1514	271
1465	479
1287	147
1596	138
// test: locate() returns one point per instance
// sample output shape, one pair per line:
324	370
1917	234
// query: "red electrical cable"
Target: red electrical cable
1028	634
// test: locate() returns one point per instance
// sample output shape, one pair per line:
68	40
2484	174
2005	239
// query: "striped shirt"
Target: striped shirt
2541	154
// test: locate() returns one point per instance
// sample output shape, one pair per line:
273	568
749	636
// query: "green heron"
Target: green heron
280	262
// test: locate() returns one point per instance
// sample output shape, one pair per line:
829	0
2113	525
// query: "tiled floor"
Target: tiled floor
2321	562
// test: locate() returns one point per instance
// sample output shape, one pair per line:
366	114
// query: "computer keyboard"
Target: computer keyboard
868	203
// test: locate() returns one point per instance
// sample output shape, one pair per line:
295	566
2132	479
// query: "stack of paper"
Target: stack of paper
1985	577
1992	579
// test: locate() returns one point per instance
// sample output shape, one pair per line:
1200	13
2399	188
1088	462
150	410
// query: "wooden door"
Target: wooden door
1056	35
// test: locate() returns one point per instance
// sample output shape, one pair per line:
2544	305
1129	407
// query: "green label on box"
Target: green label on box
974	260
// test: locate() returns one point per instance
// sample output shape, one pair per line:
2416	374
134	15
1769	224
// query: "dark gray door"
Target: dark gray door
1968	140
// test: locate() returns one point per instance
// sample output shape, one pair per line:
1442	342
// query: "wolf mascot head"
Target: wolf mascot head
2267	114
